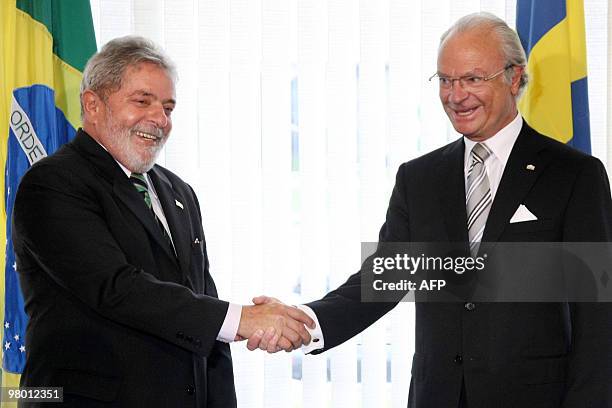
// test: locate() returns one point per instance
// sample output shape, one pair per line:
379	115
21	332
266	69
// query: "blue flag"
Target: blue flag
556	100
45	46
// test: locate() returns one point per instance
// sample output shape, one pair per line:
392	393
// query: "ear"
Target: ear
92	105
516	79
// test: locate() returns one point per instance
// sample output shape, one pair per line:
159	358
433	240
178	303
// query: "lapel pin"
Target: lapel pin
178	204
530	167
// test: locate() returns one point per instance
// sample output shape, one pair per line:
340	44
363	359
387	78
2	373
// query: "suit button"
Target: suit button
190	389
470	306
180	335
189	339
198	343
458	359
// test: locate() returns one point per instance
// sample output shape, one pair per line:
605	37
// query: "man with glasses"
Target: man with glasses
501	182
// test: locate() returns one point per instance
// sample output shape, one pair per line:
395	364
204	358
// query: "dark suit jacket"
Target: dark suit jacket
545	355
115	318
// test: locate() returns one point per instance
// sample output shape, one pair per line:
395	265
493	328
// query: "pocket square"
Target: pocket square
178	204
522	214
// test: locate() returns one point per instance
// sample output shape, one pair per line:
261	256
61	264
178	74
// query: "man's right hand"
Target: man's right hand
273	326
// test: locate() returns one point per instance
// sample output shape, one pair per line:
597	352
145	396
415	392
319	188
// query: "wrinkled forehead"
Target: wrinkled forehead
476	50
138	69
146	77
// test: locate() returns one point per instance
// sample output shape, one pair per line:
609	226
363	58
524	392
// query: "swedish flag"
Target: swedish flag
44	47
556	100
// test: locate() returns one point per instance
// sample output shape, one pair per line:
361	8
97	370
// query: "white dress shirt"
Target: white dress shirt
500	145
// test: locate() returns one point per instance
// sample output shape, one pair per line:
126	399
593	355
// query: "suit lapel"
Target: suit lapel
125	191
108	169
175	215
451	184
516	181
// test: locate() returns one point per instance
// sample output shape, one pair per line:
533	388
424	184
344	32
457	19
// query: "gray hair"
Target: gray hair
511	48
104	70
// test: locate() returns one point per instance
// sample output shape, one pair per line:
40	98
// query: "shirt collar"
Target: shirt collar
150	186
127	171
500	143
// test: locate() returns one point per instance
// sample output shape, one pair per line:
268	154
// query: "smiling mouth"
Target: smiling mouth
466	112
147	136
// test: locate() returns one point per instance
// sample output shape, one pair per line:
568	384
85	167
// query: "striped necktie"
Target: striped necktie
140	182
478	197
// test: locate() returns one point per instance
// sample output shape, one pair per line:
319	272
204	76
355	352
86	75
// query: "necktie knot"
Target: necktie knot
480	153
140	183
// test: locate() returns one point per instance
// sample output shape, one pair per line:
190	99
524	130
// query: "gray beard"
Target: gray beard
125	152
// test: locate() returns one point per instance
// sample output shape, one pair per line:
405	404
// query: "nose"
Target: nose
456	91
158	116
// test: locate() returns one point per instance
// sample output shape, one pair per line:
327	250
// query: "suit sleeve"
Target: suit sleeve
60	234
588	218
332	310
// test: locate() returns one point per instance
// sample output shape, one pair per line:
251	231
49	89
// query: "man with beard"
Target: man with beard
112	258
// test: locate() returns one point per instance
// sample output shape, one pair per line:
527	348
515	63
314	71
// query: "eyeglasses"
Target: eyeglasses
467	82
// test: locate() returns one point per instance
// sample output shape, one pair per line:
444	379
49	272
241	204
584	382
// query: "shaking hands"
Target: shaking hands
273	326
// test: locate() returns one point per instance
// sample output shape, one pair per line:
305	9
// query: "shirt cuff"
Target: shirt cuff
316	334
229	328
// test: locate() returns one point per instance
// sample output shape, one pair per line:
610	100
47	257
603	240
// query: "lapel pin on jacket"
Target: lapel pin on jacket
178	203
530	167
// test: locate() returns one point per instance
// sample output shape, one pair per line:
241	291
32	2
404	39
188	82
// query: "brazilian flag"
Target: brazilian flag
44	45
556	101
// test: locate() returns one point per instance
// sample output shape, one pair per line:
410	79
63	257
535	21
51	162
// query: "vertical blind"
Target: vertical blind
292	118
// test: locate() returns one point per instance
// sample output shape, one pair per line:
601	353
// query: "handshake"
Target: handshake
273	326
